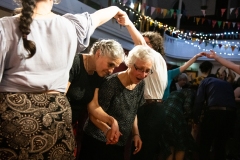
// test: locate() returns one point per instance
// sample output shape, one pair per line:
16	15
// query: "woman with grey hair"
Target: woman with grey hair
89	70
119	96
87	74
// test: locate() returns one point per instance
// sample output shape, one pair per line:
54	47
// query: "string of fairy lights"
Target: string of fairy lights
227	48
189	35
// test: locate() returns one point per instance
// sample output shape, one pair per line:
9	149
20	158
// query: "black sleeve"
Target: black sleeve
75	70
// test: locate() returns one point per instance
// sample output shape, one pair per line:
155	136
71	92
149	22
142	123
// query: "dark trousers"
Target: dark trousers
93	149
149	124
79	121
215	129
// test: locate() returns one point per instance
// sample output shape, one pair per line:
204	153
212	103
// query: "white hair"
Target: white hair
144	53
108	47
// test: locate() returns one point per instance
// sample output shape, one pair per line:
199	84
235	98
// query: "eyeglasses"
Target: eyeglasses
142	71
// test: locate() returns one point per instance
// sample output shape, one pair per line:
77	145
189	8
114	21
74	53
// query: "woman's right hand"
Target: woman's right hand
113	134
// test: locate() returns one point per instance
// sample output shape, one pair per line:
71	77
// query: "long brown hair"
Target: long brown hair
24	25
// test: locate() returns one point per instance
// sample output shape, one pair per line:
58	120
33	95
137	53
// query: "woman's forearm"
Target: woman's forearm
228	64
97	112
135	130
136	35
101	125
103	15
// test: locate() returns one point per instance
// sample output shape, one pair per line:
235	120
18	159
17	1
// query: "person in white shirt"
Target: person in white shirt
149	113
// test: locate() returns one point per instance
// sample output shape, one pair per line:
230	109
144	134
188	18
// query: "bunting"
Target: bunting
125	1
236	12
226	47
204	12
223	11
229	24
224	24
233	24
231	9
143	6
165	12
171	12
233	48
174	15
136	5
197	20
178	11
214	45
158	10
206	43
213	23
152	10
219	23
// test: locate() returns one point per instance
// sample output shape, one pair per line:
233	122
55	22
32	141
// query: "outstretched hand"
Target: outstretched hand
201	54
122	18
212	54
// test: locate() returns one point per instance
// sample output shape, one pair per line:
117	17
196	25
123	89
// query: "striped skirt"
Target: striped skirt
35	126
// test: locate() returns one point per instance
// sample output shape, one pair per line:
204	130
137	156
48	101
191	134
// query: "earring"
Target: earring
56	1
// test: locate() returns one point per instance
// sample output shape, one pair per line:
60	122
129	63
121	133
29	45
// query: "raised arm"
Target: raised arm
103	15
135	34
227	63
191	61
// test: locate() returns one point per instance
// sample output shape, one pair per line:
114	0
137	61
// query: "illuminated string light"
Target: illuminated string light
166	27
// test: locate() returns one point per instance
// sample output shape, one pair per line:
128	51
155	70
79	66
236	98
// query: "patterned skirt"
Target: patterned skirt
176	131
35	126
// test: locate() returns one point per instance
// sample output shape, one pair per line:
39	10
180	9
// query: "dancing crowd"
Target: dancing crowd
58	102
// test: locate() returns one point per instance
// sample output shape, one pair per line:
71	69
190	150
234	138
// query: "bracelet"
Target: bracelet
136	135
105	133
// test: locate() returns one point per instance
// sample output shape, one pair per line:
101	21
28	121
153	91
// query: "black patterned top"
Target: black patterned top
83	85
119	102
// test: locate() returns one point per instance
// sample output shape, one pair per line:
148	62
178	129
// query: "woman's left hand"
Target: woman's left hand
137	143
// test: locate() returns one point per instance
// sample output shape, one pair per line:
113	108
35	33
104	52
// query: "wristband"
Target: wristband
136	135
